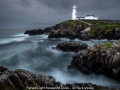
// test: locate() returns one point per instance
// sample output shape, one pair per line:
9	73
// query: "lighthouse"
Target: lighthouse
74	12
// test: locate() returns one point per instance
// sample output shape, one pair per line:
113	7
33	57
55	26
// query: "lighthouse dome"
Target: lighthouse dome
74	6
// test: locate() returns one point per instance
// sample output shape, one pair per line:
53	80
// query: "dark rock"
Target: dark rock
48	29
71	46
14	81
66	29
71	67
75	29
2	69
57	34
100	60
34	32
53	47
21	80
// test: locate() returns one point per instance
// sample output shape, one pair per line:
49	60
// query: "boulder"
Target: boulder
71	46
34	32
2	69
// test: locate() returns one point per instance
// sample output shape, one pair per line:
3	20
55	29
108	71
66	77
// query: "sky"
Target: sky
21	13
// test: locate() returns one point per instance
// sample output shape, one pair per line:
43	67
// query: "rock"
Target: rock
57	34
68	29
100	29
100	59
14	81
34	32
80	61
21	79
48	29
83	36
2	69
71	46
10	80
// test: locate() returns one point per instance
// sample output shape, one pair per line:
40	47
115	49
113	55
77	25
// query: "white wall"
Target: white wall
74	14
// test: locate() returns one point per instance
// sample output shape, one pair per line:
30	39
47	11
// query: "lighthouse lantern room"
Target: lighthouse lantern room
74	12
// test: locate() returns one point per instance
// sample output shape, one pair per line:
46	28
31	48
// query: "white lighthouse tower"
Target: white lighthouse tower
74	12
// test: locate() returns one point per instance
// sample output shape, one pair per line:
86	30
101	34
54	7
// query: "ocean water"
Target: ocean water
35	53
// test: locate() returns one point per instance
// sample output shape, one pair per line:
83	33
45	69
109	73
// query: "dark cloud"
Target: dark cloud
58	4
25	3
81	4
30	12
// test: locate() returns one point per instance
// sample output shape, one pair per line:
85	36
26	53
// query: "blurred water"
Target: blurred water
35	53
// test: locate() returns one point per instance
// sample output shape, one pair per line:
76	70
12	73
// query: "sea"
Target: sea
35	54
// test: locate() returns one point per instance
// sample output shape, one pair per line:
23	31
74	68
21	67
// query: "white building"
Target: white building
74	12
87	17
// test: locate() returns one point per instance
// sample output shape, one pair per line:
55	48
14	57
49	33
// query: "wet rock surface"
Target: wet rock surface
71	46
24	80
100	59
34	32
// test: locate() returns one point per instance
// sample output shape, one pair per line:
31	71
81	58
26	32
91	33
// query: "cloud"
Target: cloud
25	3
27	12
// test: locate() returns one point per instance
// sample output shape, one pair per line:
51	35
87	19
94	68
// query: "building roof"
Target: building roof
90	15
80	17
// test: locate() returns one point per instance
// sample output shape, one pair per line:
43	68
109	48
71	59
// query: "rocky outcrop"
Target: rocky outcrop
71	46
100	59
24	80
99	29
34	32
68	29
55	27
2	69
48	29
104	34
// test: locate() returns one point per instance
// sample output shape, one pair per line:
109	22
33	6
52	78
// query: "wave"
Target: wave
9	40
36	41
41	57
65	77
43	36
4	41
21	35
54	51
18	39
13	38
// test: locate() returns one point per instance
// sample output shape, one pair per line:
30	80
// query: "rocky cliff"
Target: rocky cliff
34	32
99	29
24	80
100	59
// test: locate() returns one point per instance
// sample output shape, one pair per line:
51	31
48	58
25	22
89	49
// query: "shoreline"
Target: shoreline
24	80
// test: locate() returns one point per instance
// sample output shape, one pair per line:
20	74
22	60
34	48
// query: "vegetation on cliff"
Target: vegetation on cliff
104	28
107	44
99	29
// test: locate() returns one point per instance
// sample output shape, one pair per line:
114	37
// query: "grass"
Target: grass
103	26
106	27
107	44
72	25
